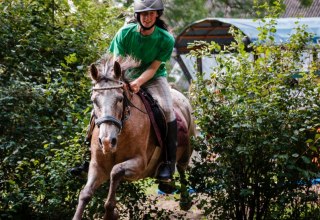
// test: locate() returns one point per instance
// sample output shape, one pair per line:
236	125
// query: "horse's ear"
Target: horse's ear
94	72
117	69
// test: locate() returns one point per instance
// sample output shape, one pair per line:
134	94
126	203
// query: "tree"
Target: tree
179	13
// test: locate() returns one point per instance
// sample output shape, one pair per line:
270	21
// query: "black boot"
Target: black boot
167	169
84	167
77	171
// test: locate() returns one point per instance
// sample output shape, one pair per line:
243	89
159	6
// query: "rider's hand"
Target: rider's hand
126	86
135	86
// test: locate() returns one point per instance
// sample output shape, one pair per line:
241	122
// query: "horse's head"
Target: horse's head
108	98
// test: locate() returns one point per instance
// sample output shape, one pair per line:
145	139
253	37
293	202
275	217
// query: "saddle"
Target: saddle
155	114
158	120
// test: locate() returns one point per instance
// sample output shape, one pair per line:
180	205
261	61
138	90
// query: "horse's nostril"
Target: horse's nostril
100	141
113	141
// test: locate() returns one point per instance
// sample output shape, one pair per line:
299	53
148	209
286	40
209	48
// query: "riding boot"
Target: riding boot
167	169
77	171
84	167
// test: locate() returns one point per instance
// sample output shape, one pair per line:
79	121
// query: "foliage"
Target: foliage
259	121
44	102
179	13
235	8
243	9
45	108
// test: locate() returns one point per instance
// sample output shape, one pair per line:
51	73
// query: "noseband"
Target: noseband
110	118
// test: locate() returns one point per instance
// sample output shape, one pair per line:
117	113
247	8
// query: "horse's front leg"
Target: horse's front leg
128	169
96	177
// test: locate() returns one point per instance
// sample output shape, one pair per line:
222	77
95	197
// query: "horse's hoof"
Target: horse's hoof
112	216
185	206
167	188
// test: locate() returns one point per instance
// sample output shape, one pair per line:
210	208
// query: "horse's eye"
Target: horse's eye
94	100
120	99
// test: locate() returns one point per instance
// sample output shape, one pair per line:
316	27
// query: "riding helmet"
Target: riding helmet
148	5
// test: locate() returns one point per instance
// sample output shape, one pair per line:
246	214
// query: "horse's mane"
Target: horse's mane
126	62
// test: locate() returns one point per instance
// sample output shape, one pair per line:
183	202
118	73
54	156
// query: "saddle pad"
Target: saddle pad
183	137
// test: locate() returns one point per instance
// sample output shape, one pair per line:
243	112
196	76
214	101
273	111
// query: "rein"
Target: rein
126	106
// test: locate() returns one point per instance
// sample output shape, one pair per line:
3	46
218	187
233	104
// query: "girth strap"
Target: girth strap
108	118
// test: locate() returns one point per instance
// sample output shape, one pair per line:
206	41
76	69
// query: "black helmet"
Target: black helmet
147	5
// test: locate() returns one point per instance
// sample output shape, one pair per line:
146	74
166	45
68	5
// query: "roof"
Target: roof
295	9
217	29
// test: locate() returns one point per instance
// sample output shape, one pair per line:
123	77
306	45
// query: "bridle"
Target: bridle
126	105
109	118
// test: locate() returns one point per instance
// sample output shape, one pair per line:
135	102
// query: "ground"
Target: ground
169	202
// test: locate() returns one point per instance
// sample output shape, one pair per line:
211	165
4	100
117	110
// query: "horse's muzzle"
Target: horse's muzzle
108	143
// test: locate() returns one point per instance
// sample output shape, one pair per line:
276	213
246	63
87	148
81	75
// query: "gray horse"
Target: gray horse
124	146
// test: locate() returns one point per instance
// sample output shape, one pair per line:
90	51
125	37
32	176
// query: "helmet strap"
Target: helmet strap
146	28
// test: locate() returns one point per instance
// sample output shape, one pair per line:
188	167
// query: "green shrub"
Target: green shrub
259	122
45	101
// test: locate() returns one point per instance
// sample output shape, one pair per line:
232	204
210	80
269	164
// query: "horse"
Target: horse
124	145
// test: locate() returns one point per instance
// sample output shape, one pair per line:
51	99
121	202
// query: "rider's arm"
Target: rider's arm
145	76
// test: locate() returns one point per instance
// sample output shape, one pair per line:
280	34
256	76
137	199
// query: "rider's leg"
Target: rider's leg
77	171
160	90
167	169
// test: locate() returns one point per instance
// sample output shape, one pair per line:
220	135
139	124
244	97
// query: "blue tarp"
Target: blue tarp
285	27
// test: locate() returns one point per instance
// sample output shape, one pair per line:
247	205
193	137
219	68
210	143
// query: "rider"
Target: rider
149	41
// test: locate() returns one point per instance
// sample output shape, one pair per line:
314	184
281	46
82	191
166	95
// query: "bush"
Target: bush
45	100
260	129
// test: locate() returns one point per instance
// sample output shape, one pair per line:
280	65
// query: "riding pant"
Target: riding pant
159	88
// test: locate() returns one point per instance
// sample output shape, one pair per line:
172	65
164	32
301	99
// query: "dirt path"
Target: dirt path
169	203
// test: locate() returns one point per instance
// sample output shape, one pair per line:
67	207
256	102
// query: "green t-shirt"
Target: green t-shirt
157	46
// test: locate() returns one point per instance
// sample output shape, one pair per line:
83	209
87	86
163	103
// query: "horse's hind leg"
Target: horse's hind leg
182	165
185	199
93	182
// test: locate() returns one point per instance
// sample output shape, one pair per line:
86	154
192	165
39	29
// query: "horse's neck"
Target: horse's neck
139	104
136	101
138	121
136	107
